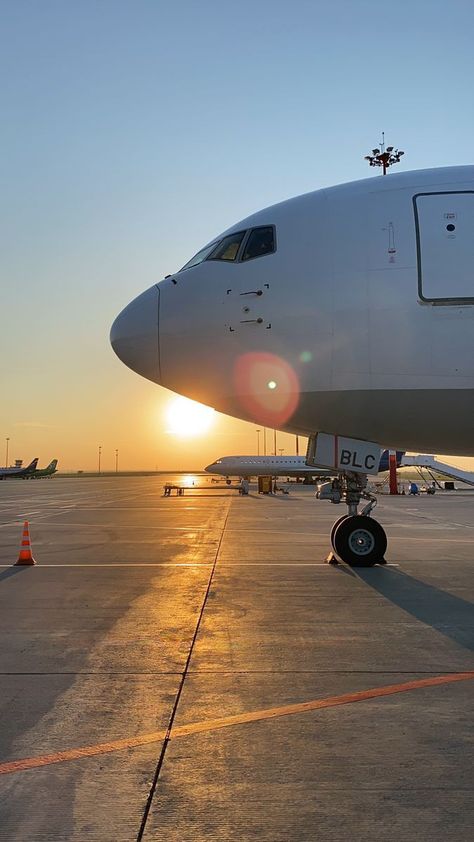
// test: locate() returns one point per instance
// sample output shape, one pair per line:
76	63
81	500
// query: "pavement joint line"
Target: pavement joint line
322	564
127	564
105	673
150	508
224	563
43	520
211	725
203	671
174	710
438	540
11	522
440	524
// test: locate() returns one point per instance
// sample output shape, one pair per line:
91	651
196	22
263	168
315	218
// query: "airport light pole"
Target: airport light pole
384	157
100	452
116	460
6	459
264	441
258	441
297	446
274	442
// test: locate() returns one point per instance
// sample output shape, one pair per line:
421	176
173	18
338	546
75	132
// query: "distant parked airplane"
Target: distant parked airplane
45	472
6	473
278	466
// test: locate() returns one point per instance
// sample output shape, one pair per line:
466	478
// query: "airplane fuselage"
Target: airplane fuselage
19	472
360	322
258	466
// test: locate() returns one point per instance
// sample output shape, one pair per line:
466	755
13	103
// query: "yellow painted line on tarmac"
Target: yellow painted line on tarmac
228	721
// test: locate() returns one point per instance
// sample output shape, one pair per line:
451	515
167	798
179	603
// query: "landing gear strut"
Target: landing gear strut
357	539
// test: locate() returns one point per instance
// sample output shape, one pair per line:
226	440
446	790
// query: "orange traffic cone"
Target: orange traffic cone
25	556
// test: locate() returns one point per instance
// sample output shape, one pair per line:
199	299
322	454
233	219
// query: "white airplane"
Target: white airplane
263	466
345	315
278	466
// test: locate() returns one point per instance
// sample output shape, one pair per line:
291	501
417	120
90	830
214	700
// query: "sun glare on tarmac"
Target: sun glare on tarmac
187	418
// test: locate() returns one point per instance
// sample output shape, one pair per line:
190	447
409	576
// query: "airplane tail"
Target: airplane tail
32	465
52	465
384	459
400	455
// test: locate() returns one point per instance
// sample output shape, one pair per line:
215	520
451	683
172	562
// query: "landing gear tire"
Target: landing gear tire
334	527
359	541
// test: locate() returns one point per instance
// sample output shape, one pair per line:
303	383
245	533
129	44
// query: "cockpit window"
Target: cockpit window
228	248
199	257
256	243
261	241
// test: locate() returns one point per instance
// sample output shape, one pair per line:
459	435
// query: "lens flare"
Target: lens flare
267	387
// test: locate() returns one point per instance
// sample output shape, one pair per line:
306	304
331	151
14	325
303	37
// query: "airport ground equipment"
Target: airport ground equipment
180	489
431	463
25	556
265	485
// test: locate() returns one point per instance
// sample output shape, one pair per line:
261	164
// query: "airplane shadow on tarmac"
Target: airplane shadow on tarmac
451	615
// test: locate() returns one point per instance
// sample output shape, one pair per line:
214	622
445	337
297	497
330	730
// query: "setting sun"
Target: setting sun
185	417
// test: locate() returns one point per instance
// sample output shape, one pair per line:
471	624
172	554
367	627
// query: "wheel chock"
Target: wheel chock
25	556
332	559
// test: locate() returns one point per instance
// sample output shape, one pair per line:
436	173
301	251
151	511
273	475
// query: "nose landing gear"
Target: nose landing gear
357	539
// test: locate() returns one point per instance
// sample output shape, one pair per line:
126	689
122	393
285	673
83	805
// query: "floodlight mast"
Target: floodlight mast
384	157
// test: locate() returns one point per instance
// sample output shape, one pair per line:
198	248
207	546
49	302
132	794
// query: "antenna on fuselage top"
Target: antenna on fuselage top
384	157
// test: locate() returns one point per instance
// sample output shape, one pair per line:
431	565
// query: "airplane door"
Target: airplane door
445	246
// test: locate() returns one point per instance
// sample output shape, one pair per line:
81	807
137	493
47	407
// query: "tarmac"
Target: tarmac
188	668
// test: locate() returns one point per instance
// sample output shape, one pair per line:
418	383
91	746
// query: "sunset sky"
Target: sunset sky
133	132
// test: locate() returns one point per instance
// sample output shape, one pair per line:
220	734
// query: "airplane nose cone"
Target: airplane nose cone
134	335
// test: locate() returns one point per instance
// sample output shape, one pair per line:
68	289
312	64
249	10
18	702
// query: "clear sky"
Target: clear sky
133	132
